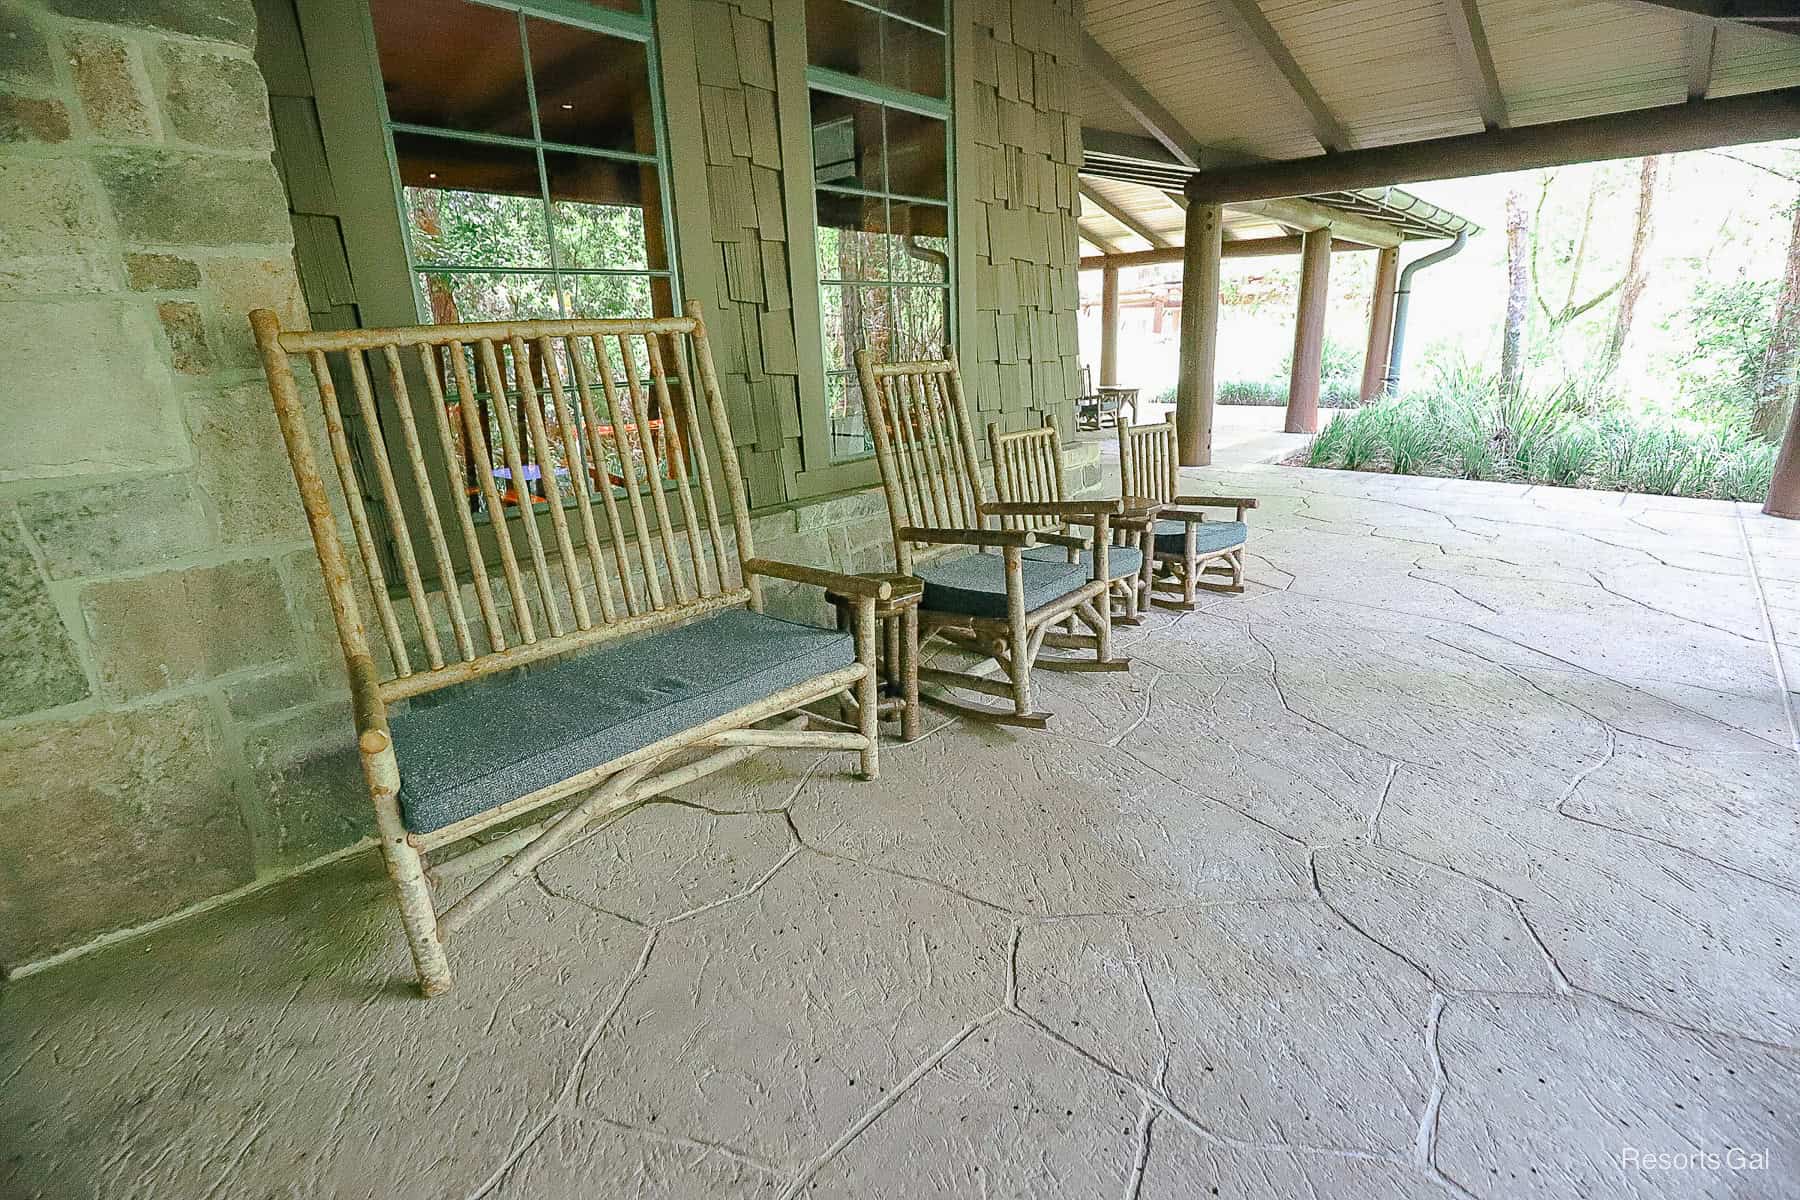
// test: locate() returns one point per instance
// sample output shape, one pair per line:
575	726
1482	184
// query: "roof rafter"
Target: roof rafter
1122	217
1770	14
1471	41
1256	28
1136	99
1699	39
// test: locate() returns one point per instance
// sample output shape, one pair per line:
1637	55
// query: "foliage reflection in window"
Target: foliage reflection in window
880	137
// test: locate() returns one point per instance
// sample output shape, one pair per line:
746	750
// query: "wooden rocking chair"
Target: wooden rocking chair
1027	468
997	602
1188	552
666	669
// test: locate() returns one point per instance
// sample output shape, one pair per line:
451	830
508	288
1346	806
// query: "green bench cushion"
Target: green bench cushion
467	749
1209	536
975	585
1122	562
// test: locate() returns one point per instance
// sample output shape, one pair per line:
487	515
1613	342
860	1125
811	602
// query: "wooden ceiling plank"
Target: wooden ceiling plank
1136	99
1122	217
1255	28
1699	38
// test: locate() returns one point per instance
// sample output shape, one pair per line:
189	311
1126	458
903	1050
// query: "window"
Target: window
529	155
877	80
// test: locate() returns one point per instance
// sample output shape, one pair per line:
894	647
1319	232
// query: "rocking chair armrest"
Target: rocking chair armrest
858	586
1001	538
1217	501
1075	541
1190	516
1067	510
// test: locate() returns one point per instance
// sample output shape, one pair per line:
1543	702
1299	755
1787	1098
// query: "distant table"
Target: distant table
1091	411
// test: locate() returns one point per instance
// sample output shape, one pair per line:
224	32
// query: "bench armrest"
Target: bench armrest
831	581
1190	515
1077	541
1063	509
1021	538
1217	501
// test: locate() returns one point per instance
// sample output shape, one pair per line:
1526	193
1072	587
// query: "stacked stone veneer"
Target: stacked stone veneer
173	723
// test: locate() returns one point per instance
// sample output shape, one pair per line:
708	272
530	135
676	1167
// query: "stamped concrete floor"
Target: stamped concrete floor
1458	858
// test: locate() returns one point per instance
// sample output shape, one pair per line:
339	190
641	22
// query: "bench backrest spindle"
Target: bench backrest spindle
521	430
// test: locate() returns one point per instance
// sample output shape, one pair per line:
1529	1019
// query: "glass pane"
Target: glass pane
616	296
847	142
592	89
606	212
920	330
452	64
917	165
853	237
488	296
869	321
922	244
849	424
843	37
840	332
912	59
929	12
470	204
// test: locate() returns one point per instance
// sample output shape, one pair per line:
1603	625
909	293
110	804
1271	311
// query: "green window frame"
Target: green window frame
658	283
894	304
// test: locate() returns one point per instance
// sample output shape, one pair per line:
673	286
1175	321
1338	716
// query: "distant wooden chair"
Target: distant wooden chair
1189	552
1028	468
996	602
653	664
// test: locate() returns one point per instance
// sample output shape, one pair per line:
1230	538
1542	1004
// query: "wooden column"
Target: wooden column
1381	324
1201	261
1109	327
1784	489
1309	332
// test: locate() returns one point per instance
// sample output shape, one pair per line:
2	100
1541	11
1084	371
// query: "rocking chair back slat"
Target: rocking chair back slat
1028	469
1148	465
926	449
525	389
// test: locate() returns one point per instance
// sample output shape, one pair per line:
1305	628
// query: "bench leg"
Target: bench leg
405	868
909	674
868	688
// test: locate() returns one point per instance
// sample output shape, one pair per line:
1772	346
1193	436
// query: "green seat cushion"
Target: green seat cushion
466	749
1122	562
975	585
1209	536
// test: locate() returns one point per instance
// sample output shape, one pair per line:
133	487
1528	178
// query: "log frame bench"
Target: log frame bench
652	665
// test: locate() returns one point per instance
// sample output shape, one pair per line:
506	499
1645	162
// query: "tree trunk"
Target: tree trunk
1775	382
1635	274
1518	294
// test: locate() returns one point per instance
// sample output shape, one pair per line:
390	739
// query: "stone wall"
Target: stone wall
169	712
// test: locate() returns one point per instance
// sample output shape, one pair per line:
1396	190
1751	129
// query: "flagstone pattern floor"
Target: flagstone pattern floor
1458	858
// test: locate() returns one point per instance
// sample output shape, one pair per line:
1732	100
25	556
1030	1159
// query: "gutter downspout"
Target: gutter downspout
1402	293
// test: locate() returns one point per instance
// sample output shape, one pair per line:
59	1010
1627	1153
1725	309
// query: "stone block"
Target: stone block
114	92
219	20
237	285
186	332
103	402
258	697
112	820
172	196
28	119
309	798
24	51
118	526
242	467
177	627
54	238
39	666
214	99
161	273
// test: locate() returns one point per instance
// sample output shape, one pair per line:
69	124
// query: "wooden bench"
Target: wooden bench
652	663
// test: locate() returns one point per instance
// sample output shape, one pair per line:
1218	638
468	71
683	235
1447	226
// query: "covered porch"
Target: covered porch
1458	858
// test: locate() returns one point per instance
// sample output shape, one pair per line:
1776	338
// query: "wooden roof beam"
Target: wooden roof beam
1253	26
1122	217
1298	216
1262	247
1698	125
1699	37
1470	37
1136	99
1769	14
